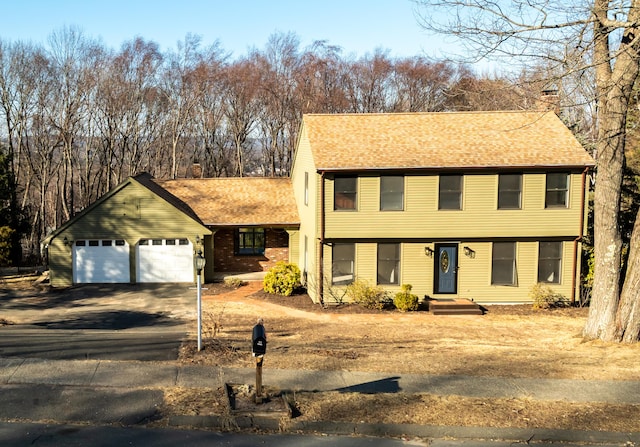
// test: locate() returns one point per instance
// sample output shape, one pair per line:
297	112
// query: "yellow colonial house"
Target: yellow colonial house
479	205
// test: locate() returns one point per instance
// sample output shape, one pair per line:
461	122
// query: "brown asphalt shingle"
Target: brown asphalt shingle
442	140
237	201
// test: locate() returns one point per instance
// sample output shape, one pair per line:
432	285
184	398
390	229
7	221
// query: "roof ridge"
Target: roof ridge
219	178
446	112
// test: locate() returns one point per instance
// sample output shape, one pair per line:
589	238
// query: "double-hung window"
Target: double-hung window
509	191
342	266
345	193
557	190
550	262
388	263
391	193
450	192
250	241
503	263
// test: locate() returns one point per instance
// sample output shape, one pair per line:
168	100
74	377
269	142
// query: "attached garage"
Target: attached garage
164	260
100	261
136	233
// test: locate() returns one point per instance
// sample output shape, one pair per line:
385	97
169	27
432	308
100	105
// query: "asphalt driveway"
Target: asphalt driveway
104	322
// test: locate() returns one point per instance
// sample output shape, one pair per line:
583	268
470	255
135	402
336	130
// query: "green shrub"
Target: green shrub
544	297
405	300
282	279
371	297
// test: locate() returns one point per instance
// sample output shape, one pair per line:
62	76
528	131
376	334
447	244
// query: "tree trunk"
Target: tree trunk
614	86
627	327
607	239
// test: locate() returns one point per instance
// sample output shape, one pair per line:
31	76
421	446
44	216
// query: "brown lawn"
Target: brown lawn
508	341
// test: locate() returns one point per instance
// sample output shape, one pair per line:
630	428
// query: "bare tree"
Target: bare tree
482	92
72	59
605	35
421	86
320	80
241	108
278	65
180	91
209	114
367	84
121	107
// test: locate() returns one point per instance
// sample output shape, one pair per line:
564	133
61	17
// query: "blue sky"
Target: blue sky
358	26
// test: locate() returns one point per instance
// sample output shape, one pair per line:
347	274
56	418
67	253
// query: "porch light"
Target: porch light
469	252
428	251
198	262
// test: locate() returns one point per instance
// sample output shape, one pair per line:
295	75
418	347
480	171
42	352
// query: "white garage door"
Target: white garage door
102	261
165	260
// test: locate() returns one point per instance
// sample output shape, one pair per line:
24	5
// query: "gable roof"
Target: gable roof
442	140
232	201
143	179
147	180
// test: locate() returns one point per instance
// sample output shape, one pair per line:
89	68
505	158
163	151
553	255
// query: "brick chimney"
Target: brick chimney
196	170
549	100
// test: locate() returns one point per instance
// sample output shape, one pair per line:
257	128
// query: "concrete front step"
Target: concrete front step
454	307
457	312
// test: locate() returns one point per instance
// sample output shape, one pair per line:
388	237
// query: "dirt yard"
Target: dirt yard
508	341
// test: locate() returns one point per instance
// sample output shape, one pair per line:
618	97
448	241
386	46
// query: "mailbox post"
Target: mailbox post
258	350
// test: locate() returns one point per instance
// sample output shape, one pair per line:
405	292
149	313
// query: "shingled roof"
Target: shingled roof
237	201
442	140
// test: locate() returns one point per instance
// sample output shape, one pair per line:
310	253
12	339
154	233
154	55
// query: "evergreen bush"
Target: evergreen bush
405	300
282	279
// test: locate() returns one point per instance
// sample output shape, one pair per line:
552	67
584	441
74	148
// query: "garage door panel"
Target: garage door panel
102	263
166	260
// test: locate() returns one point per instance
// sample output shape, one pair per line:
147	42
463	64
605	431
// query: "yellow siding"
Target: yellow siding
309	213
474	274
131	213
60	270
479	217
294	246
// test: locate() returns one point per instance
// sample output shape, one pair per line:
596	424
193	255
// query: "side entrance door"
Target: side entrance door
446	268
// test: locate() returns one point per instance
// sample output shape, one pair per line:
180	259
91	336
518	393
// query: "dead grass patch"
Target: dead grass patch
423	409
508	341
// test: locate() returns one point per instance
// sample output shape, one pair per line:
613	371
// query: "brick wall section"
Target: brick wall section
276	249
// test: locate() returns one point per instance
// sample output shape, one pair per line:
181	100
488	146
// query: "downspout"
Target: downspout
322	229
579	238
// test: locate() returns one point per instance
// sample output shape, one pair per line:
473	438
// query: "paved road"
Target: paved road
147	345
97	322
41	435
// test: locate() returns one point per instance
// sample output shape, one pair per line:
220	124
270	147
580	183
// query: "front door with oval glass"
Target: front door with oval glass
446	268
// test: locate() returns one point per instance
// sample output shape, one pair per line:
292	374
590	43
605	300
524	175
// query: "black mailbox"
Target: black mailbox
259	340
